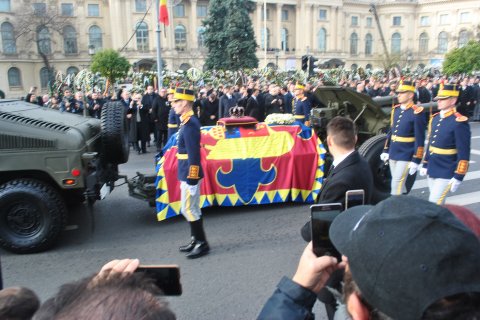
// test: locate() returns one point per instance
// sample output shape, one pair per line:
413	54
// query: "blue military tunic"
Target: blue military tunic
173	122
448	151
188	153
406	138
301	109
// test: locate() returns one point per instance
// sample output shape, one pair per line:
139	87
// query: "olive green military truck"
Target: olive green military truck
48	159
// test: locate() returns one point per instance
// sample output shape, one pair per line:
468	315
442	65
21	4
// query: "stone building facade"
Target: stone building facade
333	31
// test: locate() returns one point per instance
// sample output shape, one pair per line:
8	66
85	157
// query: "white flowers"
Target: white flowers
280	118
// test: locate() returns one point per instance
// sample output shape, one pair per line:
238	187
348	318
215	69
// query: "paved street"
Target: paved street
252	247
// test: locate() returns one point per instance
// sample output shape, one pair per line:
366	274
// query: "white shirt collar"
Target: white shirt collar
338	160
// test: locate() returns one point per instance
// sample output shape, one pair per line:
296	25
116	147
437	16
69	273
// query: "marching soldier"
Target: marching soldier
173	119
448	150
190	171
301	107
406	139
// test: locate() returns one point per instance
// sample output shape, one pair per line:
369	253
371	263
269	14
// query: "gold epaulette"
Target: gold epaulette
460	117
417	109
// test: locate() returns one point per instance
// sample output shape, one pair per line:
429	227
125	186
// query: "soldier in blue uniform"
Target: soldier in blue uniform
173	118
190	171
405	142
301	107
448	151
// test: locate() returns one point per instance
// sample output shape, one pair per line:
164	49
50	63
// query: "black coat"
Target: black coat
351	174
210	108
274	104
147	101
160	110
252	109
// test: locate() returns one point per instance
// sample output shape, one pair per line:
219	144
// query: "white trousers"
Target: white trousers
190	203
399	171
438	190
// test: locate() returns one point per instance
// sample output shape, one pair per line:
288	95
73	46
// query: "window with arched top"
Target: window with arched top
142	37
185	66
95	38
180	36
265	38
396	45
72	70
284	39
463	38
44	43
442	42
44	77
8	38
368	44
423	42
354	67
368	66
70	40
14	77
201	36
353	43
322	40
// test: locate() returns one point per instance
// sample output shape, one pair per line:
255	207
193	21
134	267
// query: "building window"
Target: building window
14	77
322	40
368	44
463	38
464	17
354	21
369	22
322	15
8	38
354	67
397	21
442	42
179	11
265	34
424	21
70	40
72	71
353	43
95	38
180	36
67	9
5	6
284	15
396	43
93	10
43	41
201	37
141	5
44	77
444	19
39	9
423	43
202	10
142	37
263	14
368	66
284	39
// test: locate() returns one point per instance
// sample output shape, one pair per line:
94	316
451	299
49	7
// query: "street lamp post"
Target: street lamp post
277	54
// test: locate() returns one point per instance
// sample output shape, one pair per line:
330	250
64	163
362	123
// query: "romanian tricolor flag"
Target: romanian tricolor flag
163	13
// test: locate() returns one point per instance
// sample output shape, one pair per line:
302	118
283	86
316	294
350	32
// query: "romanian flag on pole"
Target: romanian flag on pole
163	13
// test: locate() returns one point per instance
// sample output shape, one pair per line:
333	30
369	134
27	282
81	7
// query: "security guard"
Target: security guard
406	139
448	151
301	107
173	119
190	171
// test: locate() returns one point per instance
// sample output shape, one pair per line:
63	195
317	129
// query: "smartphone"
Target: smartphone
167	277
354	198
322	217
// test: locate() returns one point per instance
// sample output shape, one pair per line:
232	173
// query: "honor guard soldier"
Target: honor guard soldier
173	118
405	142
301	107
190	171
448	151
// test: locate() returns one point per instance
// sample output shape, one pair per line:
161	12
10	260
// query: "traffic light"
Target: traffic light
304	63
311	65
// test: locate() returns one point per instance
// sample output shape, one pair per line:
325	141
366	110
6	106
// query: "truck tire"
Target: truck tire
32	216
114	133
371	150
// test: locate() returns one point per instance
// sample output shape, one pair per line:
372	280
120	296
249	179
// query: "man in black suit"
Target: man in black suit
349	171
252	108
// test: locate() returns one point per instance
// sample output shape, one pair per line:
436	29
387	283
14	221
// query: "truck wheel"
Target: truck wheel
371	150
32	215
114	133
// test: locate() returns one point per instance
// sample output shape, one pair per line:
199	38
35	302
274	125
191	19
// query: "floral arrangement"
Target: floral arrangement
280	118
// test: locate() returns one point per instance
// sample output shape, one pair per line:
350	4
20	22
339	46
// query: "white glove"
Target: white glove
412	168
384	156
454	184
422	172
192	189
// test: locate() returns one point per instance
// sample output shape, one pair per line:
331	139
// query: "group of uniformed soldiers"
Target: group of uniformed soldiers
446	157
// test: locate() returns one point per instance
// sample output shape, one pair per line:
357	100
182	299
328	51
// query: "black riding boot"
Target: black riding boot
200	247
188	247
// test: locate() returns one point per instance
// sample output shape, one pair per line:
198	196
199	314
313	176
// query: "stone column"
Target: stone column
259	23
193	43
278	27
298	26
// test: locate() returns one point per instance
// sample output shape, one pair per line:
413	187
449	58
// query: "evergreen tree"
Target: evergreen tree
229	35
